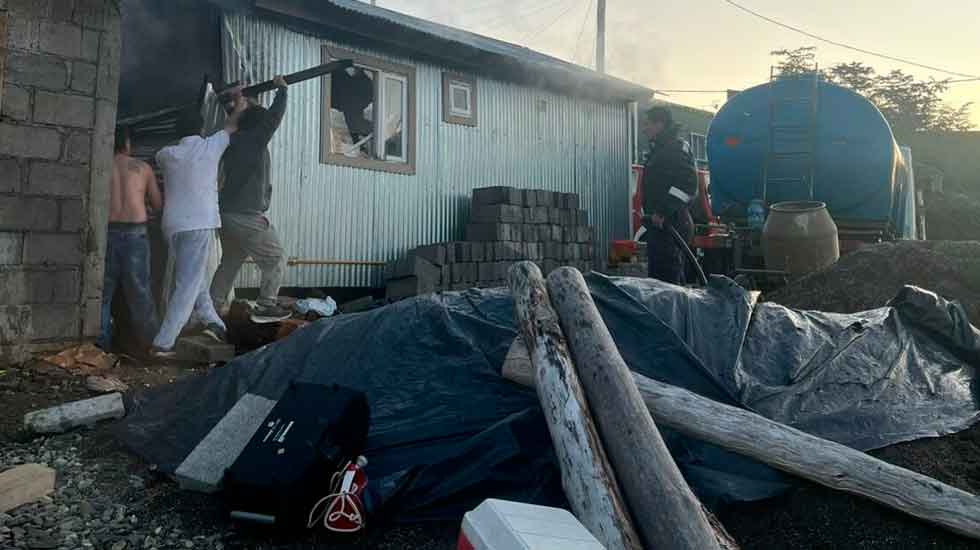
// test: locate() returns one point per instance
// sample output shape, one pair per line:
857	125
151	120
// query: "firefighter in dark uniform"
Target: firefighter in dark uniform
670	184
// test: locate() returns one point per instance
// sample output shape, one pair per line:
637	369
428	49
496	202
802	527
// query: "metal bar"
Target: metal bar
293	262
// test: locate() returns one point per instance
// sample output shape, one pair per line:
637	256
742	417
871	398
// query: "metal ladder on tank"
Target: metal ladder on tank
791	143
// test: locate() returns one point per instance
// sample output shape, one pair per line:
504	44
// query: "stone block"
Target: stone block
396	289
582	217
24	484
43	71
107	86
530	198
506	250
76	414
533	251
487	271
61	39
48	178
497	195
567	217
64	110
572	201
52	287
83	77
203	349
204	468
28	214
55	321
568	234
446	278
90	46
78	148
478	251
463	251
63	10
16	103
434	253
414	266
10	176
557	233
13	286
95	14
536	215
30	142
11	245
491	232
587	252
496	213
53	248
554	250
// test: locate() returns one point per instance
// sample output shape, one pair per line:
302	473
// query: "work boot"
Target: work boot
162	354
216	332
269	314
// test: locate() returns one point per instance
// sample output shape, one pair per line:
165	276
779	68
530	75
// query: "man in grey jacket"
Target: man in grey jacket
245	196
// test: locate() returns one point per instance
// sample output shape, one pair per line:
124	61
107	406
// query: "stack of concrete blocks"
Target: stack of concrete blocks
507	225
635	267
59	79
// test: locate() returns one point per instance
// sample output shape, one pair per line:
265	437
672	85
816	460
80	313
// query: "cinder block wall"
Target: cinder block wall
60	80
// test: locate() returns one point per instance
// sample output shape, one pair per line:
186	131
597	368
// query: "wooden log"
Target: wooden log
588	479
796	452
667	513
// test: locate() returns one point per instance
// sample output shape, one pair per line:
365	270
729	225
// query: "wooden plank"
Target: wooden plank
796	452
589	482
24	484
667	513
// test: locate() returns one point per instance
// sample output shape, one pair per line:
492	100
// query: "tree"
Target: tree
908	104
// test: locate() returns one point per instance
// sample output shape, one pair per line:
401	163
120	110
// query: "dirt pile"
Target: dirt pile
952	216
869	277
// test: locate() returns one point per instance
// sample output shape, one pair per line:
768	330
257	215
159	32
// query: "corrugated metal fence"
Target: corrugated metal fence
328	212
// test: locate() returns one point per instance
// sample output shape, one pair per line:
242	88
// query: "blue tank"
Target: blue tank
798	138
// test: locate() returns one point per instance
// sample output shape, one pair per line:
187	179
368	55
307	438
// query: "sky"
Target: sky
711	45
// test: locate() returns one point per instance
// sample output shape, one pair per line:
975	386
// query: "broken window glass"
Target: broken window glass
394	117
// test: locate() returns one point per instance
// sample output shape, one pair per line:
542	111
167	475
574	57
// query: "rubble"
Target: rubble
105	384
203	349
84	359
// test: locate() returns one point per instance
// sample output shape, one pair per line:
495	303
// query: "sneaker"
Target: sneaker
160	353
216	332
269	314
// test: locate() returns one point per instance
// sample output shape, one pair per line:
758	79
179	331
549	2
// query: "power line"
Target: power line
508	17
843	45
549	25
690	91
581	32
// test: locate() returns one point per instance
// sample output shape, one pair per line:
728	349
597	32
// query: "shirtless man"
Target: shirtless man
127	257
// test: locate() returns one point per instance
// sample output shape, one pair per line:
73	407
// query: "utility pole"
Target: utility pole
600	36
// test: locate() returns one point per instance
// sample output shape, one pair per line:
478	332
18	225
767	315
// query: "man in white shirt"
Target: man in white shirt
190	217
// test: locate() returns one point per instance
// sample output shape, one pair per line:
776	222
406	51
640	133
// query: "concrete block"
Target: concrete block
92	319
75	414
478	251
10	176
55	321
530	198
572	201
557	233
491	232
72	215
31	214
78	148
93	13
487	271
90	46
545	198
414	266
28	141
63	10
43	71
11	245
459	272
203	469
587	252
64	110
495	213
567	217
22	33
53	287
446	278
544	233
396	289
16	103
49	178
61	39
464	252
24	484
16	324
501	269
433	253
31	8
83	77
568	234
53	248
506	250
497	195
203	349
536	215
534	251
554	215
13	286
554	250
582	217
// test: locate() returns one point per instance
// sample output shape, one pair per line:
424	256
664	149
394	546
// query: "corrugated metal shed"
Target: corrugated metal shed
526	137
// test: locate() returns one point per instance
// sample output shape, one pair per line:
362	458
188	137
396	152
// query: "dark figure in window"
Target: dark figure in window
351	95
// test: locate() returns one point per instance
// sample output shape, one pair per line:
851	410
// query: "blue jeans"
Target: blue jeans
127	263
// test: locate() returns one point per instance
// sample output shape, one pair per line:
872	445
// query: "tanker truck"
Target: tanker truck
800	138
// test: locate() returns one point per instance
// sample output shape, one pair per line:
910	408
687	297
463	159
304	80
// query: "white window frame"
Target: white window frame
383	71
451	115
699	147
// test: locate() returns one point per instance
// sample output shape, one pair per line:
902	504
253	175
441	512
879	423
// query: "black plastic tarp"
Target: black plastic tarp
448	431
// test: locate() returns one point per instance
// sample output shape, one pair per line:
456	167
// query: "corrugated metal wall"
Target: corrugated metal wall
327	212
